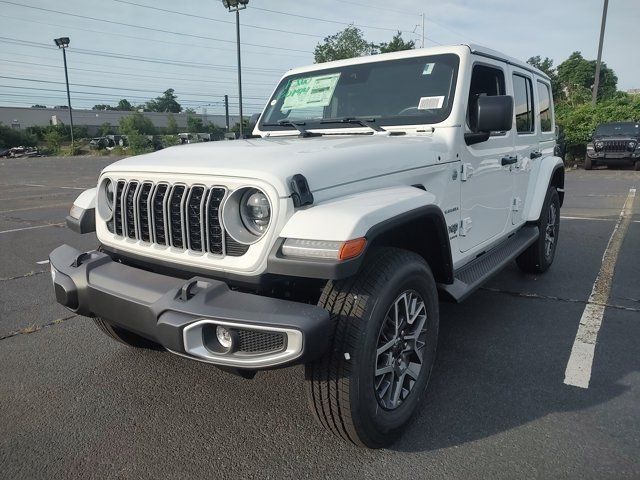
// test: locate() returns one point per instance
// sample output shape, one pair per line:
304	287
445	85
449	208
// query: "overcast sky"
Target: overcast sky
129	51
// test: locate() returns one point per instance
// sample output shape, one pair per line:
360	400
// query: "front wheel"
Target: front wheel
588	164
539	256
637	166
373	378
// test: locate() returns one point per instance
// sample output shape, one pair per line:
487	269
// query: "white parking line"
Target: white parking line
42	262
32	228
578	372
594	219
52	186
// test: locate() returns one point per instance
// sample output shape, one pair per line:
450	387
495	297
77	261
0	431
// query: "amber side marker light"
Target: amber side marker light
323	249
352	248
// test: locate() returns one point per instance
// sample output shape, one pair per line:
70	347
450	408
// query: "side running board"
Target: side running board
472	275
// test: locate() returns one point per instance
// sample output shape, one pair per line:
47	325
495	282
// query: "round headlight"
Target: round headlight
109	192
599	145
246	215
255	211
631	145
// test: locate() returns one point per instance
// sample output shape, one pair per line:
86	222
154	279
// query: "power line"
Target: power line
145	28
201	17
102	72
111	88
81	51
133	37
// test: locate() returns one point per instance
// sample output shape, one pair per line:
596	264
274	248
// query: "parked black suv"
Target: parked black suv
616	142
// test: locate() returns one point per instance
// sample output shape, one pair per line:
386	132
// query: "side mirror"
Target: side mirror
492	114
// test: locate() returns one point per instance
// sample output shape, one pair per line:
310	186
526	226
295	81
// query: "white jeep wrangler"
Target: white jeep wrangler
379	184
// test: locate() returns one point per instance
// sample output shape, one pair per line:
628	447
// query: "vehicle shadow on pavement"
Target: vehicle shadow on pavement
499	366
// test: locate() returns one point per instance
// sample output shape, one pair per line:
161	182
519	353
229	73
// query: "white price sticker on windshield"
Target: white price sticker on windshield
430	103
310	92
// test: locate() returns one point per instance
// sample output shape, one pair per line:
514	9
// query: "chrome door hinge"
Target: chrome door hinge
466	171
465	226
516	204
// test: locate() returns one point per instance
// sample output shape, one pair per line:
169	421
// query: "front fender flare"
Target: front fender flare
375	215
550	171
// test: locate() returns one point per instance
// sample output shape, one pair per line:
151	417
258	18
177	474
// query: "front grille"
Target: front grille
615	146
254	341
181	216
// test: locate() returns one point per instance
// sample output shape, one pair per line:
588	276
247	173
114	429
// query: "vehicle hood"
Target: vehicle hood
325	161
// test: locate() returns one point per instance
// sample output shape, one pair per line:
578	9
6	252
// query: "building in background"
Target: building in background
21	118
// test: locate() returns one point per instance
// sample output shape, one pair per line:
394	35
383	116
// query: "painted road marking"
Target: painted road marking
52	186
595	219
42	262
578	372
32	228
24	209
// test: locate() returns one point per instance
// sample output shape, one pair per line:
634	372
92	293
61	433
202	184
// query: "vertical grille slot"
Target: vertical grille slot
175	216
194	218
117	206
143	212
215	235
157	213
180	216
129	209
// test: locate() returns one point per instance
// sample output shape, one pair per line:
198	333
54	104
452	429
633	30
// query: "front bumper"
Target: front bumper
175	313
604	157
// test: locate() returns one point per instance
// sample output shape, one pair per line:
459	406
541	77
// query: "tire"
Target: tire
539	256
124	336
345	395
588	164
636	166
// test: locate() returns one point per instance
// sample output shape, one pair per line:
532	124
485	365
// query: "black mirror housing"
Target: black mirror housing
495	113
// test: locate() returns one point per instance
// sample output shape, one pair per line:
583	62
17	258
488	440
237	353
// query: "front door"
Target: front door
486	190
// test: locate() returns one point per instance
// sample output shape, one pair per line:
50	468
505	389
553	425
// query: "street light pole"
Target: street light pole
596	82
63	43
236	6
239	69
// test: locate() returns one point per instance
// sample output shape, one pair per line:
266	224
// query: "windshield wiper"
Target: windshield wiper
297	125
365	122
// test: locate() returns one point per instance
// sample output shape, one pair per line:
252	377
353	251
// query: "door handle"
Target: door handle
510	160
535	154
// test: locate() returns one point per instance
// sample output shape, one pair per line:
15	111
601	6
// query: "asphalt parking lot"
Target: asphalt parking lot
74	404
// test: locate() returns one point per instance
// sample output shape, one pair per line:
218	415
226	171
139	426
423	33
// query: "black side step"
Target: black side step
472	275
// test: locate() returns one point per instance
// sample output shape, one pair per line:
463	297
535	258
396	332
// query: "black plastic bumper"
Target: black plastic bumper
159	307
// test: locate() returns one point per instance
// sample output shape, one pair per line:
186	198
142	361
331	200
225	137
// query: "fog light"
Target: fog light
224	337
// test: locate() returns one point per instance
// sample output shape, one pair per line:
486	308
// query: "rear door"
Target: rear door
526	139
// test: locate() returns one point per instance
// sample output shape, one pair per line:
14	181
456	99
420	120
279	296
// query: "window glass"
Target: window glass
523	99
407	91
544	98
484	81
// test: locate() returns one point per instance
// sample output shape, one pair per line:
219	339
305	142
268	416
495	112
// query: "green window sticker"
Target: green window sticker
310	92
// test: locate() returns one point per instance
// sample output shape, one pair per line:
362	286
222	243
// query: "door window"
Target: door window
523	99
485	80
544	100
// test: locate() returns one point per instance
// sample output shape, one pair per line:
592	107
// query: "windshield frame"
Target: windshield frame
634	131
405	120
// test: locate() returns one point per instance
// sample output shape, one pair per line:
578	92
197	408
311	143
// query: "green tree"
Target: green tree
165	103
102	107
190	111
576	71
195	125
124	106
546	65
172	125
38	106
396	44
106	129
137	123
53	139
348	43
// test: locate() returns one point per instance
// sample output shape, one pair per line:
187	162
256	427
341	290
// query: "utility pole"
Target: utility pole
239	70
62	43
596	82
422	29
226	111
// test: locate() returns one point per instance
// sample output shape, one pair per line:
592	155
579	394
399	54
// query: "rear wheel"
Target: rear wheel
124	336
539	256
373	378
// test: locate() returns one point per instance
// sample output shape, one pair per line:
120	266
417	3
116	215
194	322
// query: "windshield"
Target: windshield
408	91
626	129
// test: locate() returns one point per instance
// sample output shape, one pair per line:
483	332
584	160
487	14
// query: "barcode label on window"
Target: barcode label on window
430	103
